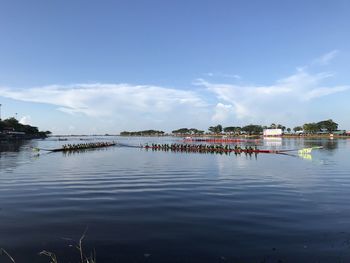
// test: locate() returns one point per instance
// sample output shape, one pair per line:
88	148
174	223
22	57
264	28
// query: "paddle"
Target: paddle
36	149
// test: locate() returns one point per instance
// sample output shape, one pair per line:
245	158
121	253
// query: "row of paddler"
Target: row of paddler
83	146
205	148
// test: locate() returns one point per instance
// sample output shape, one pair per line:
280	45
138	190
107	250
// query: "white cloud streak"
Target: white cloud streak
223	75
106	99
326	58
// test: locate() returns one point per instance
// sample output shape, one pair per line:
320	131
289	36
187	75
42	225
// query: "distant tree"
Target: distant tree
215	129
329	125
2	125
12	123
279	126
238	130
182	131
273	126
186	131
229	129
253	129
297	128
124	133
232	129
143	133
289	129
311	127
28	129
196	131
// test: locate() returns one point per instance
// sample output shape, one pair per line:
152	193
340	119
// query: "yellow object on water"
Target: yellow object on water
305	151
36	149
306	156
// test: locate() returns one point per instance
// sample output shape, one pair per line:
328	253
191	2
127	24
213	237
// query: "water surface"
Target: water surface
146	206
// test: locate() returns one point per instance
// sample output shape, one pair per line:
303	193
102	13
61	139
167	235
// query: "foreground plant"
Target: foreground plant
4	252
52	256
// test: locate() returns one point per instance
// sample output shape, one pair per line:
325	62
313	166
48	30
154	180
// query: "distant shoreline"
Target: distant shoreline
309	136
329	136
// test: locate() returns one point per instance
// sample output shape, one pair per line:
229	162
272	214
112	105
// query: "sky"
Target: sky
96	67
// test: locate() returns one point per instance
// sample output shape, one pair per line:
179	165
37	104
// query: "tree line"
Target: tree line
142	133
322	126
251	129
254	129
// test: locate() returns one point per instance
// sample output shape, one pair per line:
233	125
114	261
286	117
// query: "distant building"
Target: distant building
7	130
11	131
340	132
15	133
272	132
323	131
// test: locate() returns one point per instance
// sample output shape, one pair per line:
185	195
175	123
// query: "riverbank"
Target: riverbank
317	136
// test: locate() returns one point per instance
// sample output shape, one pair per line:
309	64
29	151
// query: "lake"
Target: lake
151	206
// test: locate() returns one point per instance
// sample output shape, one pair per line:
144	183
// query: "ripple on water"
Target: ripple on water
189	205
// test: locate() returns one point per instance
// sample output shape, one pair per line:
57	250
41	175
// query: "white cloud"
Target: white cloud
324	91
223	75
222	113
271	102
107	99
130	107
326	58
25	120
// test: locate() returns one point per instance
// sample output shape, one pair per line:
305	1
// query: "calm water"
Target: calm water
145	206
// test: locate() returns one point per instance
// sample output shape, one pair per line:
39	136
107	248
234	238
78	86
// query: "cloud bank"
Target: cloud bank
104	99
276	101
128	106
205	103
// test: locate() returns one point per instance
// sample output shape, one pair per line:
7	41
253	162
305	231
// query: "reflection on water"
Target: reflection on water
273	142
12	153
306	156
11	146
327	144
155	206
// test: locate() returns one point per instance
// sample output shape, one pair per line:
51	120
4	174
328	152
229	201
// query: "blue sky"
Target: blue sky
85	67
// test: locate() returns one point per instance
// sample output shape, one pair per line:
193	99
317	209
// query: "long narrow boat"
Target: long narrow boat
76	149
214	150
